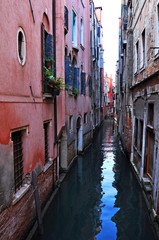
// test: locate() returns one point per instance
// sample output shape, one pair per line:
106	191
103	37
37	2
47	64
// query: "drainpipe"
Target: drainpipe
54	43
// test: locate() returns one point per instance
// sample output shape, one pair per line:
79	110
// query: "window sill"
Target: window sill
75	47
136	73
47	95
20	193
47	165
156	56
150	126
142	68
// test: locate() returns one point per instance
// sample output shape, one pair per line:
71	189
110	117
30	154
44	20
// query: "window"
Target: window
74	29
75	73
136	132
136	56
47	53
83	83
157	30
46	127
141	134
142	62
18	159
21	46
66	19
150	113
85	118
82	40
71	123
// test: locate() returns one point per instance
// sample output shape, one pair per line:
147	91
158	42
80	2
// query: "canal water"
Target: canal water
100	198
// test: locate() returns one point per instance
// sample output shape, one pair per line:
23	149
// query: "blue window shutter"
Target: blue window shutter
83	83
98	32
48	46
68	72
76	78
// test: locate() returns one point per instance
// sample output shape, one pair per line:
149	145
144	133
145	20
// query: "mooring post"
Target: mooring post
37	203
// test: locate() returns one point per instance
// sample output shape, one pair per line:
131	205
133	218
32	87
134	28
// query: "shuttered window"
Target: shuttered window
18	159
68	72
46	53
83	83
76	78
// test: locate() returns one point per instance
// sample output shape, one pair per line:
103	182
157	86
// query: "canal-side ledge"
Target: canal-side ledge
58	185
152	214
154	218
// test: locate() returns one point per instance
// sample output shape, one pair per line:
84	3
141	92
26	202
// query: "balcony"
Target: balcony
66	20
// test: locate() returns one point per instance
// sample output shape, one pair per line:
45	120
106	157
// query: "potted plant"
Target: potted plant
56	84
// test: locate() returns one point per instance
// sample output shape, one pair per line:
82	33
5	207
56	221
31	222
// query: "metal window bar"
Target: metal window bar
46	141
18	159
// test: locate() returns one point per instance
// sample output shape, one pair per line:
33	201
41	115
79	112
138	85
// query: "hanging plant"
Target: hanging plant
55	83
75	92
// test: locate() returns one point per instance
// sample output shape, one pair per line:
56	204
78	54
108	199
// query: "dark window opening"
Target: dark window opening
85	118
20	42
46	126
66	19
18	159
136	131
150	113
141	134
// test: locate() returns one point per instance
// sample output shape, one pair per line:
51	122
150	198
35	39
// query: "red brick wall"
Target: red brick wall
15	220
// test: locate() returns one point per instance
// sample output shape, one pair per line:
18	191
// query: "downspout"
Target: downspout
54	44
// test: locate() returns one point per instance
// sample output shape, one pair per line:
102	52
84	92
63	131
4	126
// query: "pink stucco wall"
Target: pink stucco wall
17	108
83	103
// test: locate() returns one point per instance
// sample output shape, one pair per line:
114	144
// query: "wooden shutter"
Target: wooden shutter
68	71
49	46
76	78
83	83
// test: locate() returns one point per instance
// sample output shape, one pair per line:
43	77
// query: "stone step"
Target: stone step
146	181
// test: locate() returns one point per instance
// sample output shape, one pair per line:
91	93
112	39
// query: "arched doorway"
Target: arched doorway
79	128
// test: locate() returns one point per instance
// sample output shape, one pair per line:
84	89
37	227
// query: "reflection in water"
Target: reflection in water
100	198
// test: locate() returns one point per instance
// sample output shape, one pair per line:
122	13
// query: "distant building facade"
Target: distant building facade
139	78
97	65
42	128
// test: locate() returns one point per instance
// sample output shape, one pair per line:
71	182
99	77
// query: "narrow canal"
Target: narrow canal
100	197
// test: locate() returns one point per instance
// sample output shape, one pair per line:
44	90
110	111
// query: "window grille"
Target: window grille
18	159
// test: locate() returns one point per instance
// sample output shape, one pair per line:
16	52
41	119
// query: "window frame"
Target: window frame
82	32
74	28
143	49
21	49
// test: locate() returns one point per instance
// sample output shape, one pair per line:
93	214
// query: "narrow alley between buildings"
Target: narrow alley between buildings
100	198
